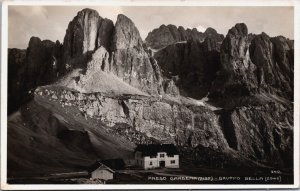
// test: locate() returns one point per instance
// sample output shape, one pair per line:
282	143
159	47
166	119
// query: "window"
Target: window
150	163
162	155
170	155
172	161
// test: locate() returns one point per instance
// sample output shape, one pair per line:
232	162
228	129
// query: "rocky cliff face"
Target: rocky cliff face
170	34
38	65
92	44
42	62
121	48
85	33
236	76
253	64
16	71
274	60
81	35
263	132
258	132
191	65
259	121
130	61
162	120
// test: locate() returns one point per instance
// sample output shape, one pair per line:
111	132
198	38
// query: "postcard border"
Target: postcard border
4	46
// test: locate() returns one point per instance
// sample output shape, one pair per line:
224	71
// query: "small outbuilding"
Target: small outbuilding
157	156
101	172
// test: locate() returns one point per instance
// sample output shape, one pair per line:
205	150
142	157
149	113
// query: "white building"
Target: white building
101	172
157	156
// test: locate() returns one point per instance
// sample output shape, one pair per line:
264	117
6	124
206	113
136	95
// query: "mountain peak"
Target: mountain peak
239	29
210	30
81	34
122	18
88	11
126	34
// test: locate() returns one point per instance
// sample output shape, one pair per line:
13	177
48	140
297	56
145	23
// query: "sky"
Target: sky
51	22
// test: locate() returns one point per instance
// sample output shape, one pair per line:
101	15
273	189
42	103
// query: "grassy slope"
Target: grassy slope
34	147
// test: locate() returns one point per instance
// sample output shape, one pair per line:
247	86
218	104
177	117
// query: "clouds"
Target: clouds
50	22
201	28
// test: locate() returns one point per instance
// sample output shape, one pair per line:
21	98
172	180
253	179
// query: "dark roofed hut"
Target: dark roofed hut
100	171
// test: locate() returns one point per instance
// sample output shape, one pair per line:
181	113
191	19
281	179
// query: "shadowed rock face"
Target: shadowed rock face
81	35
258	120
191	65
265	132
105	33
85	33
16	71
121	52
42	62
126	35
274	60
36	66
253	64
212	33
170	34
237	74
129	60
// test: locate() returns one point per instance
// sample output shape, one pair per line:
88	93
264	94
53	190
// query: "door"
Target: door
162	163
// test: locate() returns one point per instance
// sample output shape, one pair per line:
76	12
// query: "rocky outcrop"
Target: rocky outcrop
263	133
161	120
252	64
191	65
38	65
16	72
99	45
126	35
130	62
237	74
274	60
105	33
260	133
170	34
81	34
92	43
85	33
42	62
212	33
258	119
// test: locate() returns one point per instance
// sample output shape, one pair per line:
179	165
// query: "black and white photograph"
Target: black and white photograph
130	94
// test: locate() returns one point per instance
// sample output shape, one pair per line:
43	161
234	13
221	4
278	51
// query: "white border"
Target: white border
255	3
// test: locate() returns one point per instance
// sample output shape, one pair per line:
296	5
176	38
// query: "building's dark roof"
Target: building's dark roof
116	164
99	165
153	149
